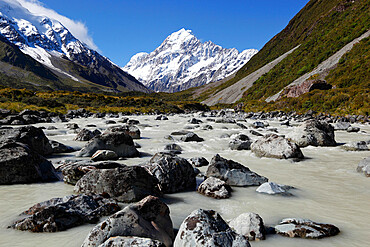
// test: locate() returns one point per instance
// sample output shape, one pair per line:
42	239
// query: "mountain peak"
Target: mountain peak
180	36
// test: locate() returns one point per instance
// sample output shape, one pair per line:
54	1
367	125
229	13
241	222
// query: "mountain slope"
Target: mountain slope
182	61
47	41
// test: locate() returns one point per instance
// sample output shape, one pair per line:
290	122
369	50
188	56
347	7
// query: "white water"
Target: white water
328	187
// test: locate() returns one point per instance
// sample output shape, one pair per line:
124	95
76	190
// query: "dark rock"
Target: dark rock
59	214
195	121
110	122
133	122
214	187
353	129
240	142
180	133
60	147
102	155
191	137
233	173
225	120
132	131
84	135
173	148
72	126
130	183
131	241
253	132
207	127
198	161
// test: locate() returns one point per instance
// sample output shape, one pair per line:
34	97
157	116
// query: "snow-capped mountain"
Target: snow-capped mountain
183	61
47	40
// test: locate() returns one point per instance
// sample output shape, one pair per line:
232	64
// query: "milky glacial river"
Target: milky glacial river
328	188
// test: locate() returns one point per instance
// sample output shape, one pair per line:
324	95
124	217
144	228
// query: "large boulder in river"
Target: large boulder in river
130	183
130	130
303	228
313	133
32	136
274	146
132	241
233	173
207	228
20	164
214	187
149	218
173	173
249	225
119	142
364	166
59	214
85	135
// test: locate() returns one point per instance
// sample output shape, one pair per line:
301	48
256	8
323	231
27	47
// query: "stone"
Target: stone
255	133
84	135
130	130
33	137
357	146
130	183
180	133
60	147
72	126
102	155
364	167
353	129
19	164
174	173
233	173
240	142
191	137
207	127
148	218
172	148
313	133
303	228
110	122
272	188
198	161
59	214
207	228
274	146
258	125
214	187
225	120
195	121
250	225
131	241
341	125
119	142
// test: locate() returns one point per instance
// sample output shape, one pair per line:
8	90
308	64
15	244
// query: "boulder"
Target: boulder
84	135
132	241
258	125
20	164
341	125
73	171
198	161
314	133
172	149
110	122
357	146
207	228
59	214
119	142
240	142
353	129
33	137
130	130
214	187
233	173
191	137
60	147
225	120
274	146
130	183
195	121
272	188
250	225
303	228
72	126
180	133
149	218
364	166
173	173
161	117
102	155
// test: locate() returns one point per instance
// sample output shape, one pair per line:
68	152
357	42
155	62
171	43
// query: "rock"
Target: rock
173	173
207	127
84	135
242	126
191	137
357	146
133	122
172	149
214	187
341	125
195	121
258	125
74	170
60	147
161	117
272	188
149	218
364	166
353	129
314	133
250	225
198	161
169	137
51	128
130	183
20	164
72	126
274	146
225	120
233	173
119	142
253	132
207	228
59	214
303	228
110	122
33	137
180	133
102	155
240	142
132	241
130	130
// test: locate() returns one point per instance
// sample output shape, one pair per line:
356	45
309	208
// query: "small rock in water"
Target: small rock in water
342	125
364	166
60	147
214	187
191	137
84	135
102	155
353	129
240	142
130	130
303	228
198	161
173	148
272	188
357	146
249	225
195	121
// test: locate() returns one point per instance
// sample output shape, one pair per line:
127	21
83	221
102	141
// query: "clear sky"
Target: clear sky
123	28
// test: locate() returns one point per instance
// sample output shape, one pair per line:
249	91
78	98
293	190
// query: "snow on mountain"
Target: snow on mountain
182	61
44	38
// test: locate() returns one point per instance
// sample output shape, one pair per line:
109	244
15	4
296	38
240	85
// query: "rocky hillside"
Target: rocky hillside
68	60
325	40
182	61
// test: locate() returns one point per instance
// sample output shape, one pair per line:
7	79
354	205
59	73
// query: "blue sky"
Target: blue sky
123	28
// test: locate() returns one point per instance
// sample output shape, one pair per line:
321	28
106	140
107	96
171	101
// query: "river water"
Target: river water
328	188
